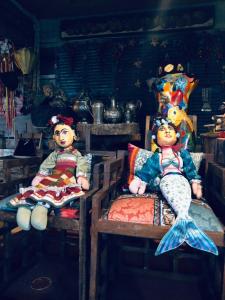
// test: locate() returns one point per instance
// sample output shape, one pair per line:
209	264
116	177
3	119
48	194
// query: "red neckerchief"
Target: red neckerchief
72	149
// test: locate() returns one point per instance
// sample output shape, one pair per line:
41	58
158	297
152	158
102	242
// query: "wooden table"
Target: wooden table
16	170
124	132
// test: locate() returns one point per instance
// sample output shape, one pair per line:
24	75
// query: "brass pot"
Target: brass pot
113	114
131	109
82	109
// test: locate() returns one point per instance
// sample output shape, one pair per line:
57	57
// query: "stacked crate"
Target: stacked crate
216	179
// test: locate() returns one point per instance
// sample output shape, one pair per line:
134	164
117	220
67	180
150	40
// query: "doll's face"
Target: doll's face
166	135
64	135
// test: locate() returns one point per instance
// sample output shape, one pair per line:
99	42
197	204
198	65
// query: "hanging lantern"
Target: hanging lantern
24	60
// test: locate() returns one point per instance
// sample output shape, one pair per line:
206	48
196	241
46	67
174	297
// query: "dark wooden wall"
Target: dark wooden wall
121	66
15	25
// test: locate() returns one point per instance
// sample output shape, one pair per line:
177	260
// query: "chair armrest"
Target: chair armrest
113	170
88	194
101	197
98	175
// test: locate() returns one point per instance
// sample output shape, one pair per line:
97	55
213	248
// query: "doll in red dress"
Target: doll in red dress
61	178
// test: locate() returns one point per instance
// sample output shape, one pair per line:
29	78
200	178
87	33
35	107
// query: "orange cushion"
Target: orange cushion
136	158
133	209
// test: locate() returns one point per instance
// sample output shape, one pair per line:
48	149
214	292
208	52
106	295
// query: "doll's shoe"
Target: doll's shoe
39	217
23	217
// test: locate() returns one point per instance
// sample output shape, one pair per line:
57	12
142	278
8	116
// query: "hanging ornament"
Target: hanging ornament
138	63
137	83
154	42
24	60
2	111
206	106
164	44
6	56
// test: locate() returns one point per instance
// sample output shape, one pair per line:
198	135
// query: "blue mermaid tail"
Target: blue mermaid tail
185	230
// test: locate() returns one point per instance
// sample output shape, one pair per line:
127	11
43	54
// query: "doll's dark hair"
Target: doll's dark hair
59	119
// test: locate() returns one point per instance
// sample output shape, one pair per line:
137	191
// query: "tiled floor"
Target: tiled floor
130	282
146	288
64	285
63	282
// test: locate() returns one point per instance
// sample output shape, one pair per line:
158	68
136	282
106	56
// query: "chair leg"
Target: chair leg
83	252
6	257
223	274
82	265
94	266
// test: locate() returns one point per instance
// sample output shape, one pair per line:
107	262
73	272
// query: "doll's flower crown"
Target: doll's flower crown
60	119
170	68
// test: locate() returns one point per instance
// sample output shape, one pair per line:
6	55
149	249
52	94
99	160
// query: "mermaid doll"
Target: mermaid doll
173	172
61	178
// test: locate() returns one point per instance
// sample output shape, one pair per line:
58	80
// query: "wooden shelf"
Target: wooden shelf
110	129
124	131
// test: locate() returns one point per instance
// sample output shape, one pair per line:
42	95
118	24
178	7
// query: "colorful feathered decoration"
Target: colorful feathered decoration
6	72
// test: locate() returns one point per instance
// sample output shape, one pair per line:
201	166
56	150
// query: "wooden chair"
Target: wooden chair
101	226
79	227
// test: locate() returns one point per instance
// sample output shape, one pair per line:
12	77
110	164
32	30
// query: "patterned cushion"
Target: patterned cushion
201	213
136	158
204	216
129	209
197	158
153	209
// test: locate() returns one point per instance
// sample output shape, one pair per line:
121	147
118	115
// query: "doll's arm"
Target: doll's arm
189	167
197	189
148	173
37	179
137	186
48	164
45	168
150	170
191	173
81	171
83	181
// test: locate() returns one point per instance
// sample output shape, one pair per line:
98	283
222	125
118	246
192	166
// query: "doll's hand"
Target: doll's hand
83	182
137	186
36	180
197	189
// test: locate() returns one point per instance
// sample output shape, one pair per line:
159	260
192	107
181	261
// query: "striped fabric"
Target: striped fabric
57	189
136	159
